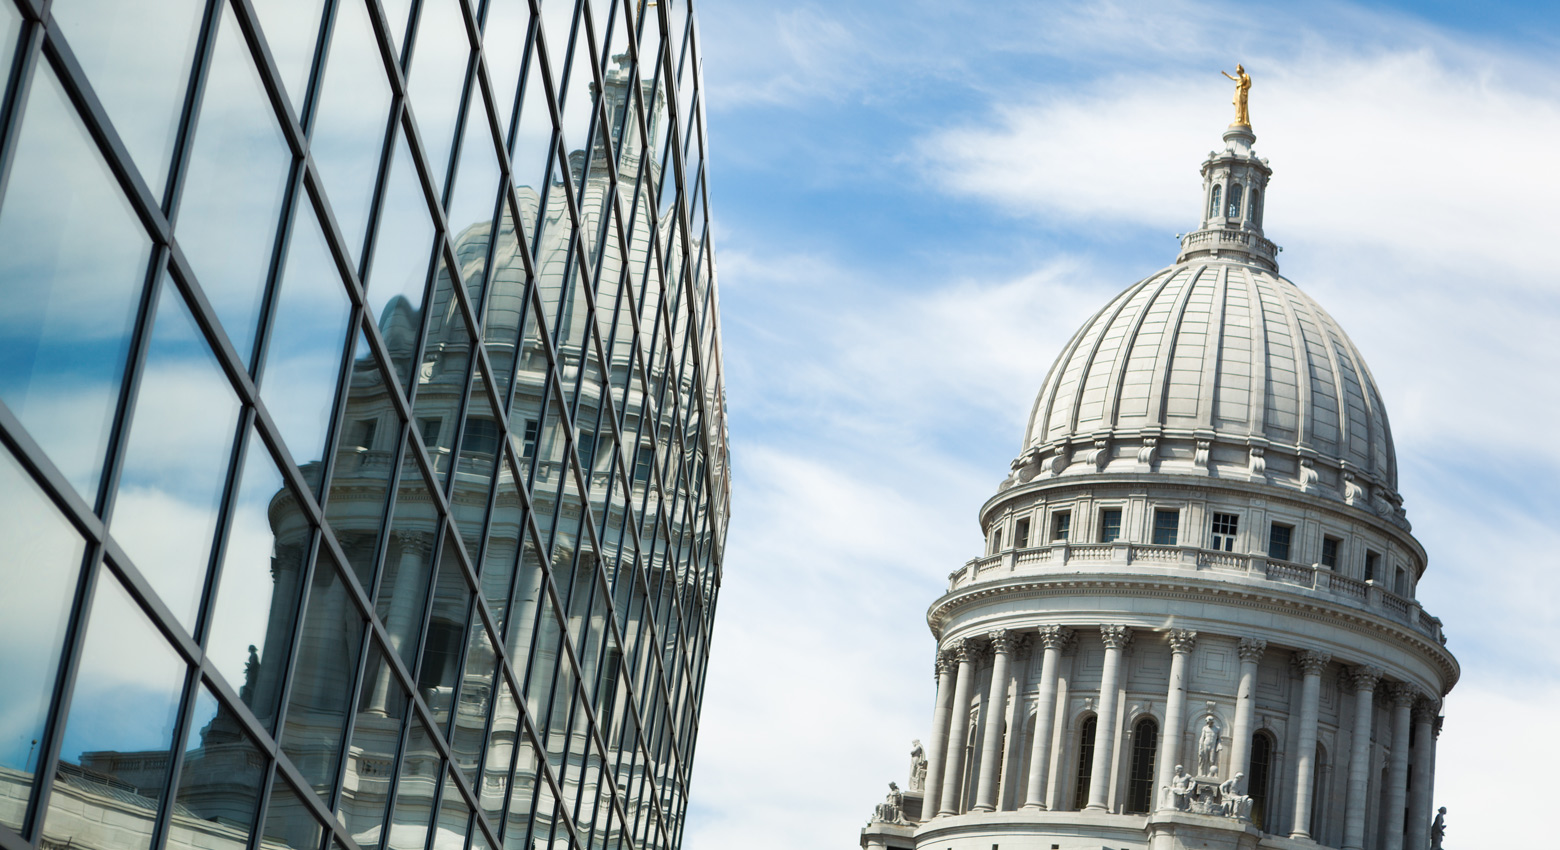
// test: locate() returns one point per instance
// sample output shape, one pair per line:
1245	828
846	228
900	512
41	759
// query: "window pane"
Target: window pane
436	677
288	822
262	573
308	338
220	780
322	678
291	27
437	75
500	752
65	331
137	56
120	730
442	379
454	815
418	782
403	250
10	32
354	104
473	200
176	459
233	190
371	757
360	484
503	43
476	693
33	613
403	589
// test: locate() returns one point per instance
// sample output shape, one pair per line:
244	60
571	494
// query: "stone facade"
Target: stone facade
1195	622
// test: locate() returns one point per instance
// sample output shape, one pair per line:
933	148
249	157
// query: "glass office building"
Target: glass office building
363	471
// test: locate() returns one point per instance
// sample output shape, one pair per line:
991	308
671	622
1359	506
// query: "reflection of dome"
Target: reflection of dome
398	324
1217	366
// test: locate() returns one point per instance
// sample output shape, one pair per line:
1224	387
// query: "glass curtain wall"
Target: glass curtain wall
363	468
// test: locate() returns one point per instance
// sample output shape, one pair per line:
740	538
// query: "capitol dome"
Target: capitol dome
1218	366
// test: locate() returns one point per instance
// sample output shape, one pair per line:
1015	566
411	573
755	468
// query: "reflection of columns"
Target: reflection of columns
1395	798
1052	638
1250	651
1311	665
1002	642
1419	802
399	623
1364	681
958	729
1115	638
1182	642
939	740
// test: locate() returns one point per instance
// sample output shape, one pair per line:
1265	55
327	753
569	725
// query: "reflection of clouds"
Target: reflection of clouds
169	540
438	71
354	102
291	28
246	576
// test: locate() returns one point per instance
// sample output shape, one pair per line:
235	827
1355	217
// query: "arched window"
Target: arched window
1234	210
1319	776
1140	783
1254	209
1257	777
1213	201
1085	763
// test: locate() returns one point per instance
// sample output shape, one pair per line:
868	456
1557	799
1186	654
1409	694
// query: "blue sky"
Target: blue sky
916	203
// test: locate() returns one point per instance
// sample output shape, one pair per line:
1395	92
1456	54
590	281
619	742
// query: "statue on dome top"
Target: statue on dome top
1242	89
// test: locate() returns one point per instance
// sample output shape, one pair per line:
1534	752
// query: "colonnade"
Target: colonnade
1413	716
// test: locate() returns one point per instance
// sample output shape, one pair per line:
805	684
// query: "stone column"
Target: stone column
1182	641
1052	639
1364	680
939	740
1311	664
958	728
1419	802
1250	651
1002	642
1115	638
1395	795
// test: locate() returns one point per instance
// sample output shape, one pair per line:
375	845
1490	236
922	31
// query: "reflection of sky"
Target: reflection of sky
243	609
917	204
354	103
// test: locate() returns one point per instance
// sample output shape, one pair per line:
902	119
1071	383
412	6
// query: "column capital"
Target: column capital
1003	641
1054	637
1363	678
1182	641
1402	694
1115	637
966	651
1436	727
1251	649
946	662
1426	709
1310	662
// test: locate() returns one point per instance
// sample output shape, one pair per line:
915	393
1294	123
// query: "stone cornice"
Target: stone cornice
1268	599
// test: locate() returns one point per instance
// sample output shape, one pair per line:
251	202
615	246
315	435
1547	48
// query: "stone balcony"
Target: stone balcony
1078	557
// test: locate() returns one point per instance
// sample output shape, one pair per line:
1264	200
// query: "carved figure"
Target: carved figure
917	766
1236	804
1242	91
1208	750
891	810
1438	829
1180	788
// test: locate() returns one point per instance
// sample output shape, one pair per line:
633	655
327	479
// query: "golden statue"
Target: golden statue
1242	89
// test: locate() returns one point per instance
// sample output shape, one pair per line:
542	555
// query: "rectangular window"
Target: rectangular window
643	462
1061	525
1167	527
587	451
1400	582
430	431
363	432
1225	527
1110	525
481	436
996	541
1278	541
1021	534
1371	559
528	447
1330	552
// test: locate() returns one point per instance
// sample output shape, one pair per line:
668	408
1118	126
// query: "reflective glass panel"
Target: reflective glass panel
522	796
65	330
480	443
308	338
322	678
10	31
418	783
403	589
365	460
532	145
233	189
437	76
442	377
494	787
476	694
288	822
503	44
403	249
292	28
446	635
262	574
137	54
397	14
349	124
119	733
176	459
220	782
506	304
371	757
454	816
473	200
33	612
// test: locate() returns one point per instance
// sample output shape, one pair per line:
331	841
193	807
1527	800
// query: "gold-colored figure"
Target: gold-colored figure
1242	89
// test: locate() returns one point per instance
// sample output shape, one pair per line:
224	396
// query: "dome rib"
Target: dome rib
1124	353
1159	390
